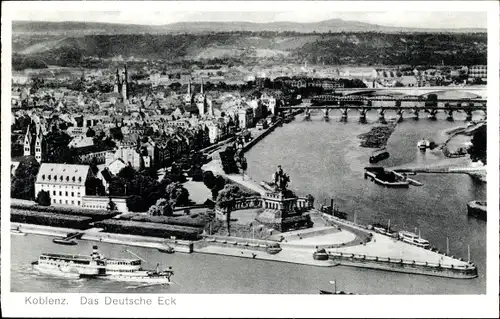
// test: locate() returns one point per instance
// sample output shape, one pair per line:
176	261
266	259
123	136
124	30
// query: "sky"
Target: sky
397	18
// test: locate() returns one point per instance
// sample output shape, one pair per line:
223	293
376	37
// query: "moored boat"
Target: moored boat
273	248
17	232
64	241
320	254
379	155
383	229
414	239
167	250
477	209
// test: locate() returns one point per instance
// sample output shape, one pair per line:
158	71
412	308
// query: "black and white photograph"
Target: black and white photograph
217	148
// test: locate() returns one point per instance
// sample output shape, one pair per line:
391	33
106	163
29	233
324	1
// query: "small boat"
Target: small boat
414	239
383	229
379	155
423	144
340	292
477	209
320	254
167	250
17	232
64	241
335	291
273	248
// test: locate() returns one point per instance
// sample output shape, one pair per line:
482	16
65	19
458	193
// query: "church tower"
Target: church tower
124	90
38	144
118	86
201	101
27	142
188	98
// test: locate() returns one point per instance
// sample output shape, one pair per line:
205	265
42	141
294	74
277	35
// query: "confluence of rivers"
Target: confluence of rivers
324	159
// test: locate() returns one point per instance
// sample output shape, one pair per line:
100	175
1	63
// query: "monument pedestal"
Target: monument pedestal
280	213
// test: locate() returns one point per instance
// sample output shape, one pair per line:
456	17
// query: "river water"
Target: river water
324	159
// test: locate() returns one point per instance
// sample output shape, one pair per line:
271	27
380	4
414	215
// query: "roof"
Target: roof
63	174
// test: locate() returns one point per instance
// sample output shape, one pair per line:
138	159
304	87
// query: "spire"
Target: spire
189	88
201	90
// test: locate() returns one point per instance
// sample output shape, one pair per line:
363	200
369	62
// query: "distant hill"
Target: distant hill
361	48
93	28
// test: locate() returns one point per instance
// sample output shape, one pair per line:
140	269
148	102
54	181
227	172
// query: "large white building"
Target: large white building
64	182
245	117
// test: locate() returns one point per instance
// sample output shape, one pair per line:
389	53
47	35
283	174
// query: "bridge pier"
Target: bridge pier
399	113
362	115
381	116
307	114
344	114
449	117
415	113
327	114
432	115
468	116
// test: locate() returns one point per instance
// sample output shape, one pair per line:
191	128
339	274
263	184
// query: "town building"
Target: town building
64	182
245	117
478	71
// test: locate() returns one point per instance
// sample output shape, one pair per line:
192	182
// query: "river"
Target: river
324	159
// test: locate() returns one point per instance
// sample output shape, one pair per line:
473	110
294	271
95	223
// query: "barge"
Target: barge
477	209
379	155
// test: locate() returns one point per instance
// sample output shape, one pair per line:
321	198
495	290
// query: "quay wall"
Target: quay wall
257	139
405	266
97	235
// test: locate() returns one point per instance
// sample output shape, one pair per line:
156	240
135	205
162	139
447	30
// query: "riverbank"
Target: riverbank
371	252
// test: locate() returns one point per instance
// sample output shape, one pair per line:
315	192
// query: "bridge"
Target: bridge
400	104
477	91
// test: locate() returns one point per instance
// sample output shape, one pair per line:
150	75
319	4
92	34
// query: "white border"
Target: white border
272	305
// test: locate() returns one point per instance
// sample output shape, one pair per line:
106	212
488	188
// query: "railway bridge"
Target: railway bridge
413	104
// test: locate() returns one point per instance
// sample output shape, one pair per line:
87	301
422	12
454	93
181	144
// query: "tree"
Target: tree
116	133
134	204
197	174
219	184
117	186
177	194
56	147
111	205
43	198
161	208
128	173
227	200
478	149
90	132
94	186
208	179
23	183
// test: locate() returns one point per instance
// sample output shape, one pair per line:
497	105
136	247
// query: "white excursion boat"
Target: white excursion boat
68	266
98	267
414	239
